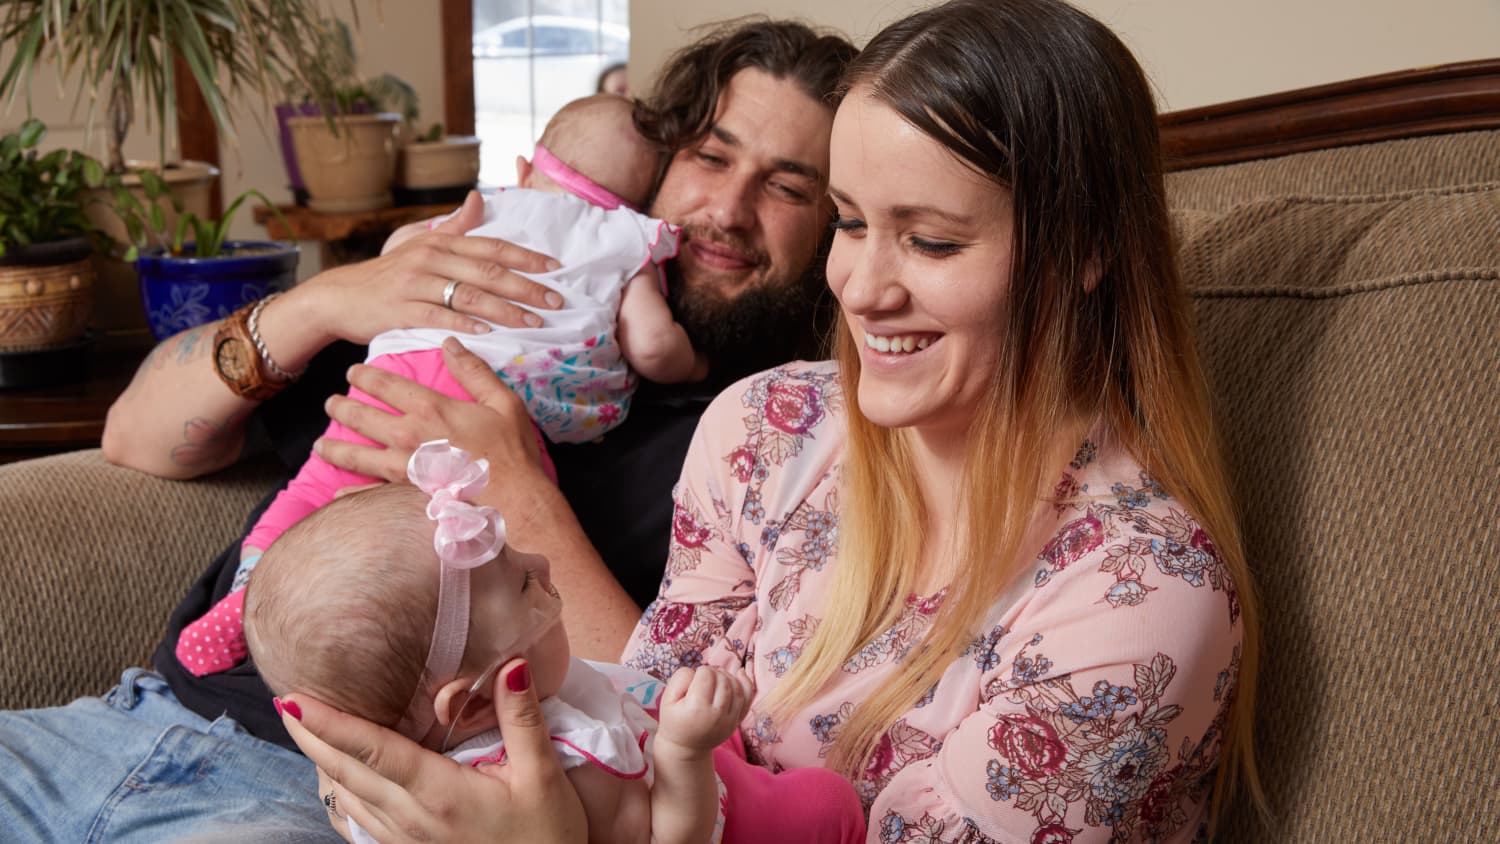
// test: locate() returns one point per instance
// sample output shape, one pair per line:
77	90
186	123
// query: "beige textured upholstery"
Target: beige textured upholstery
93	559
1349	307
1351	327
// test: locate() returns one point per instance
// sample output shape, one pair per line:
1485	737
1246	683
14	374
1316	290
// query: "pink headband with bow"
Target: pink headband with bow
575	182
467	536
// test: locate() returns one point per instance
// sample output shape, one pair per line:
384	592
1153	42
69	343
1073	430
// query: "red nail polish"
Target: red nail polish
519	680
276	702
291	708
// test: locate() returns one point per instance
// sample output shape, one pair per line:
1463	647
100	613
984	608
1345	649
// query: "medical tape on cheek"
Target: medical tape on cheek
541	620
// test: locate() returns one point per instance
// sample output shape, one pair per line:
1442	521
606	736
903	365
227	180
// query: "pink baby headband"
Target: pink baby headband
467	536
575	182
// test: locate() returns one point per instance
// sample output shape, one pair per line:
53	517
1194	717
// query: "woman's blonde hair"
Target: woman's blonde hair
1047	103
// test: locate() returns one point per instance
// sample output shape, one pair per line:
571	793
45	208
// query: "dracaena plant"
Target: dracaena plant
125	51
42	195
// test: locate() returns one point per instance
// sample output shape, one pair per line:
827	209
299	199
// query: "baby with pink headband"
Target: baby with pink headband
398	603
576	372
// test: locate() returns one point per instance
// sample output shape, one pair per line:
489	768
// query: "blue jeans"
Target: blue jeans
136	765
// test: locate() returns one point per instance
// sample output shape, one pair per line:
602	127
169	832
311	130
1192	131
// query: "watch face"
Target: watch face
232	358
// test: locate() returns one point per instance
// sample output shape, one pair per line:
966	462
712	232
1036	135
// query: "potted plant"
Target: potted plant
46	281
129	53
129	50
345	133
190	274
436	168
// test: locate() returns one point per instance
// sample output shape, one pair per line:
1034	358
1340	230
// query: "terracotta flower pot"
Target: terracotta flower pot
351	171
46	291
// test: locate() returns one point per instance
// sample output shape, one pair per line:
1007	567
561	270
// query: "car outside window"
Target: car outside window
527	65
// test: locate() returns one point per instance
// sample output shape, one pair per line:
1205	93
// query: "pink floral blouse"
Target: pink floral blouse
1091	706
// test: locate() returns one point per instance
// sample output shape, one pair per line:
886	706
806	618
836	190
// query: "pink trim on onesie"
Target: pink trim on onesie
499	759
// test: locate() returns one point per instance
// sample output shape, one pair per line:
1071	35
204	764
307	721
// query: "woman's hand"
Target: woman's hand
398	791
404	287
494	426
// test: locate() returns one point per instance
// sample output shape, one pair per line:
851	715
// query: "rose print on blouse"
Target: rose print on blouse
818	530
902	745
786	406
895	829
1105	748
897	641
1052	756
1140	538
679	633
780	660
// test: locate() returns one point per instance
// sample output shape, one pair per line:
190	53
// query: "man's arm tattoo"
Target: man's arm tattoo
185	348
205	440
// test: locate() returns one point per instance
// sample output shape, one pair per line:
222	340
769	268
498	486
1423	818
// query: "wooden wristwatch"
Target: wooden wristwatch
239	362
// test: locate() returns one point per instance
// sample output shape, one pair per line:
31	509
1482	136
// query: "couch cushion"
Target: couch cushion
85	590
1353	344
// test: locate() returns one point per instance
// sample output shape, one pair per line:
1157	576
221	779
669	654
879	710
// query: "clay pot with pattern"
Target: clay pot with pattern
46	293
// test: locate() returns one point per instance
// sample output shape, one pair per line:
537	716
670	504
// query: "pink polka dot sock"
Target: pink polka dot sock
215	642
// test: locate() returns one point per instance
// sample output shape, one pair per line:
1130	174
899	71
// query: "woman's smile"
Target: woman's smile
920	264
900	344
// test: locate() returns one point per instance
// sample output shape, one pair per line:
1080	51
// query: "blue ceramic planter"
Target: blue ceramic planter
180	293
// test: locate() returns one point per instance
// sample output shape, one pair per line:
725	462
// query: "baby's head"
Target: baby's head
596	137
342	607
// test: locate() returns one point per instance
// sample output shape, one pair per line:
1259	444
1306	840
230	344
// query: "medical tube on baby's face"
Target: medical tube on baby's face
542	611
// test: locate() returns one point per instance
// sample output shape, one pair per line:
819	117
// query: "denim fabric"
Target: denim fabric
136	765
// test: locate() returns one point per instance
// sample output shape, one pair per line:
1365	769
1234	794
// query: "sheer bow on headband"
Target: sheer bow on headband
467	536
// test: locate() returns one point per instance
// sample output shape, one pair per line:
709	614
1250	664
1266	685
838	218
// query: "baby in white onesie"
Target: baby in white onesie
576	203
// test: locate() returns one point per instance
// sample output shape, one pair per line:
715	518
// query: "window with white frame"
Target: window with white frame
531	57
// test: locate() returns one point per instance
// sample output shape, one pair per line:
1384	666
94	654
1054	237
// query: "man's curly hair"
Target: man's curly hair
681	108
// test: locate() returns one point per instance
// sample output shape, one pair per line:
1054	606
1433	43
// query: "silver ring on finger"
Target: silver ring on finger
448	292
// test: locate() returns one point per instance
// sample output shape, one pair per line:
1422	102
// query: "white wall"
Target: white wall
1197	51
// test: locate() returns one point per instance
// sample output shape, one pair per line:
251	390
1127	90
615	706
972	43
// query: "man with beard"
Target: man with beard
743	118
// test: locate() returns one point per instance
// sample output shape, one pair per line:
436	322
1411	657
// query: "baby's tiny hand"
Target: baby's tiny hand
701	707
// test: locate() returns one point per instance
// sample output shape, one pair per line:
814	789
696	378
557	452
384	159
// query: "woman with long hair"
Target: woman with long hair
985	562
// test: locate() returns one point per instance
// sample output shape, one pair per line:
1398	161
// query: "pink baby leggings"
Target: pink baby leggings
216	642
798	804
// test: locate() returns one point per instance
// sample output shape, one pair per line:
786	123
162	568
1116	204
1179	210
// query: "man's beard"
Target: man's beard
771	323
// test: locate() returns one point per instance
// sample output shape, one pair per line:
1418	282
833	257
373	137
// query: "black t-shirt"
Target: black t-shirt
620	488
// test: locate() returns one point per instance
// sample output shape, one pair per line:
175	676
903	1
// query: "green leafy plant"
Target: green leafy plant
42	195
334	78
125	49
147	221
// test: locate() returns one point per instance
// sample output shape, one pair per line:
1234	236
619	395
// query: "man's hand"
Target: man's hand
494	426
700	708
404	287
399	791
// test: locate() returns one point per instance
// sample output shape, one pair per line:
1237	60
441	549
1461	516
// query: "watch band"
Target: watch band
234	344
252	323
